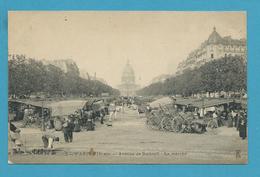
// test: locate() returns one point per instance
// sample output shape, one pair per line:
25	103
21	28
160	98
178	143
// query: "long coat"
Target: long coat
242	127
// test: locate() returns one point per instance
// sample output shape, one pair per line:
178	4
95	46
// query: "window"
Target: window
212	56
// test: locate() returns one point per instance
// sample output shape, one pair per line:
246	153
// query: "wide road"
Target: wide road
130	141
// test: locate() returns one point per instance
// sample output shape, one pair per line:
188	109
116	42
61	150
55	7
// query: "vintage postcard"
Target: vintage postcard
127	87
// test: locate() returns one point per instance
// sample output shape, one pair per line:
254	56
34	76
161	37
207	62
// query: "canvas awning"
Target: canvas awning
29	102
203	103
65	108
161	102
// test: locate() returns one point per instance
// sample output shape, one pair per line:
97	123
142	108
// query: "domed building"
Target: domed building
128	86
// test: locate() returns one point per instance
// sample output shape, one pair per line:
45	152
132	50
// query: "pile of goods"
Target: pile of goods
165	119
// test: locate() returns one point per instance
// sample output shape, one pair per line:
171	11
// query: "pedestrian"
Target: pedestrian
215	118
242	127
76	125
27	115
112	114
112	111
71	126
15	137
106	109
214	122
219	118
230	120
90	121
222	118
238	120
102	115
66	130
123	107
234	117
48	138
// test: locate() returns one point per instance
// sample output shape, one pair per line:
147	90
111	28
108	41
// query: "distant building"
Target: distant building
215	47
128	86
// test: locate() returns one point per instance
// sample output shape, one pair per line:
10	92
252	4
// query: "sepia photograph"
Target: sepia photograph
127	87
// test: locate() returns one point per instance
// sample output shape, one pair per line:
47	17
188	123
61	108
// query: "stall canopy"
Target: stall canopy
59	108
65	108
161	102
29	102
203	103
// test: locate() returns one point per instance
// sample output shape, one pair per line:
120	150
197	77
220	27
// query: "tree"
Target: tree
27	76
226	74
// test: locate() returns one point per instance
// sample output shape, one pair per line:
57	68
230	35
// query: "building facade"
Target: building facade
215	47
128	86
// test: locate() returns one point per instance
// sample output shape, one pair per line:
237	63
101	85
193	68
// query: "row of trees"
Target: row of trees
226	74
27	76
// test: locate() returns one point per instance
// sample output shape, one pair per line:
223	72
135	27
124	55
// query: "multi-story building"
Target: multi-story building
215	47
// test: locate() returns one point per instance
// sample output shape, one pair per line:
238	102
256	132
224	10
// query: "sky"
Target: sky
101	42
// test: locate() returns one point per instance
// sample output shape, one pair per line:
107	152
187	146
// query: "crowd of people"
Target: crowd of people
231	118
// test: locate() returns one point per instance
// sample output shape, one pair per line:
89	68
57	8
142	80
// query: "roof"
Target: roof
30	102
214	37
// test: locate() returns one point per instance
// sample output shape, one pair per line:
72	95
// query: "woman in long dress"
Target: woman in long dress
242	127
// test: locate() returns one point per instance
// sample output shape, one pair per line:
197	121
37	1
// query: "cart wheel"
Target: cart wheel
212	124
176	125
197	127
149	124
